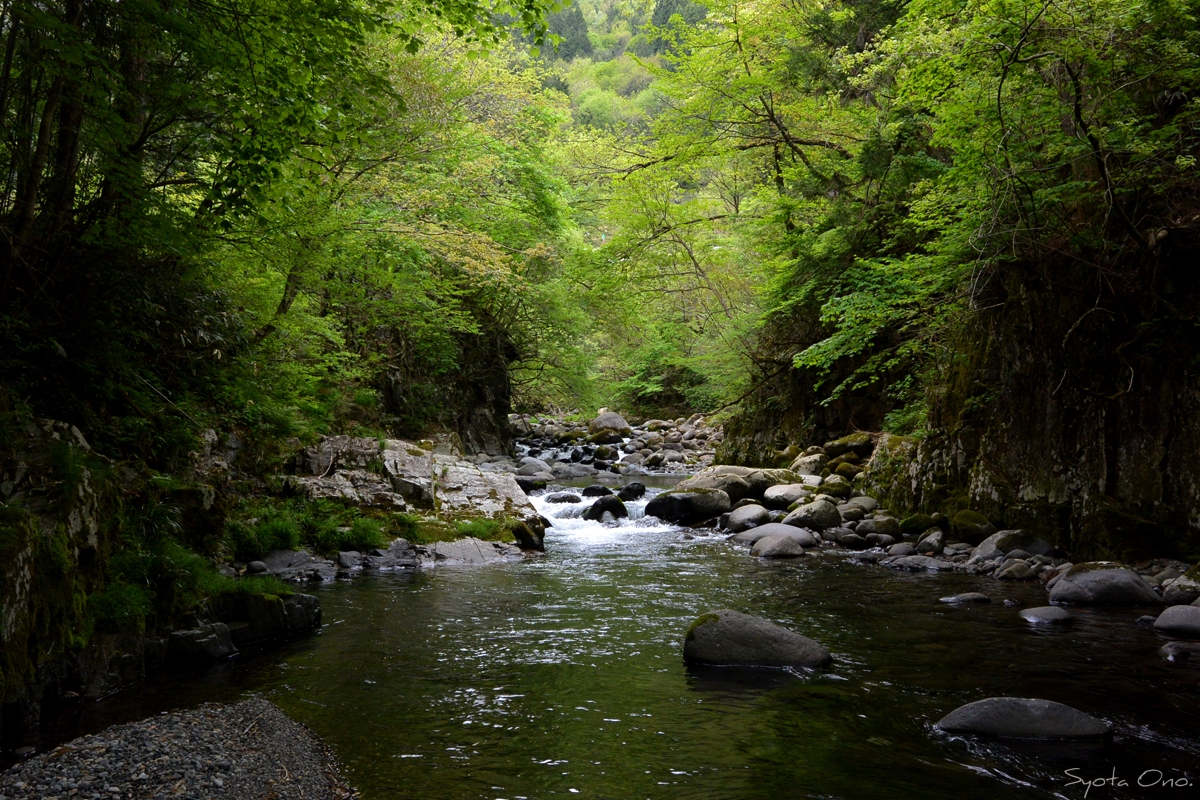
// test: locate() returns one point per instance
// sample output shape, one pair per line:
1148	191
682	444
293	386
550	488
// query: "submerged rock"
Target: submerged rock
917	563
731	638
1024	718
967	598
1046	615
1103	583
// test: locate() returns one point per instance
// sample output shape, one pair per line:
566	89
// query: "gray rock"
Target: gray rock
803	537
596	490
1024	718
851	512
777	547
1016	571
879	539
634	490
608	504
817	515
210	642
967	598
852	541
785	494
690	506
1103	583
1046	615
256	568
932	541
563	497
1146	621
902	549
1183	590
1182	622
1177	652
609	422
350	559
730	638
466	551
810	465
998	544
747	517
565	471
867	504
887	525
917	563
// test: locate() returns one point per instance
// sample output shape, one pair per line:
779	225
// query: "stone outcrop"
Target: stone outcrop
427	477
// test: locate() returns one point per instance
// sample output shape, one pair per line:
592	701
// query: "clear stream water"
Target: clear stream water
562	676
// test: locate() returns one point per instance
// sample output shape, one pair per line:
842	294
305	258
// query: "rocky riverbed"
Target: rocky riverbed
246	750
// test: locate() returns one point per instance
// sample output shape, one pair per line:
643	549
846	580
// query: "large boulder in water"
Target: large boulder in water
1024	718
689	506
730	638
803	538
1182	622
1103	583
747	517
817	515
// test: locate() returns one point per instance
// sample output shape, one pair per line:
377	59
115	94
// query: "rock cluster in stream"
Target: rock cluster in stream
557	450
248	750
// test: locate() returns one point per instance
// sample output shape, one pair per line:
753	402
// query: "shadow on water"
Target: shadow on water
563	676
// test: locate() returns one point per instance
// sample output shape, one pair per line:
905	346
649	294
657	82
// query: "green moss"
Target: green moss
703	619
916	524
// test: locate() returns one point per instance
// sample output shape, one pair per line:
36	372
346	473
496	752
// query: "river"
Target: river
562	676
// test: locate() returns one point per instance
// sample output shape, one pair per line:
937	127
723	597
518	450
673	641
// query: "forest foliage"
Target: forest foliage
300	218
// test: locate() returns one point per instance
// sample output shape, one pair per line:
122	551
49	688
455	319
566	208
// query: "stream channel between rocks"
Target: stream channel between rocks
562	676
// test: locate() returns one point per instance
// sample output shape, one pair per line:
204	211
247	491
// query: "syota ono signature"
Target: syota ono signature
1147	779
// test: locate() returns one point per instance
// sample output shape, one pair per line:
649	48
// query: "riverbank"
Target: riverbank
245	750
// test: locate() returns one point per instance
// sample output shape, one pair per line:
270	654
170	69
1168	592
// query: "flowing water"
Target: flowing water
562	676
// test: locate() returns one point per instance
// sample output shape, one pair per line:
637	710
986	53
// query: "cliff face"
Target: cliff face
1072	408
1076	410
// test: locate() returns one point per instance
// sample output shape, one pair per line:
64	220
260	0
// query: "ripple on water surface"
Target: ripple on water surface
562	676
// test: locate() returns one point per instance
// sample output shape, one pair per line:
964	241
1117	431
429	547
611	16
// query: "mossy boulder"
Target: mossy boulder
860	444
916	524
971	527
847	470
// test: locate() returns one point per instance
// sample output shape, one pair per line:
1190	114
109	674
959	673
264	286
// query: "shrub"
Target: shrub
120	608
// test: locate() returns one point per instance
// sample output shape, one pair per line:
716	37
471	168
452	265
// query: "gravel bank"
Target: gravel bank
246	750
